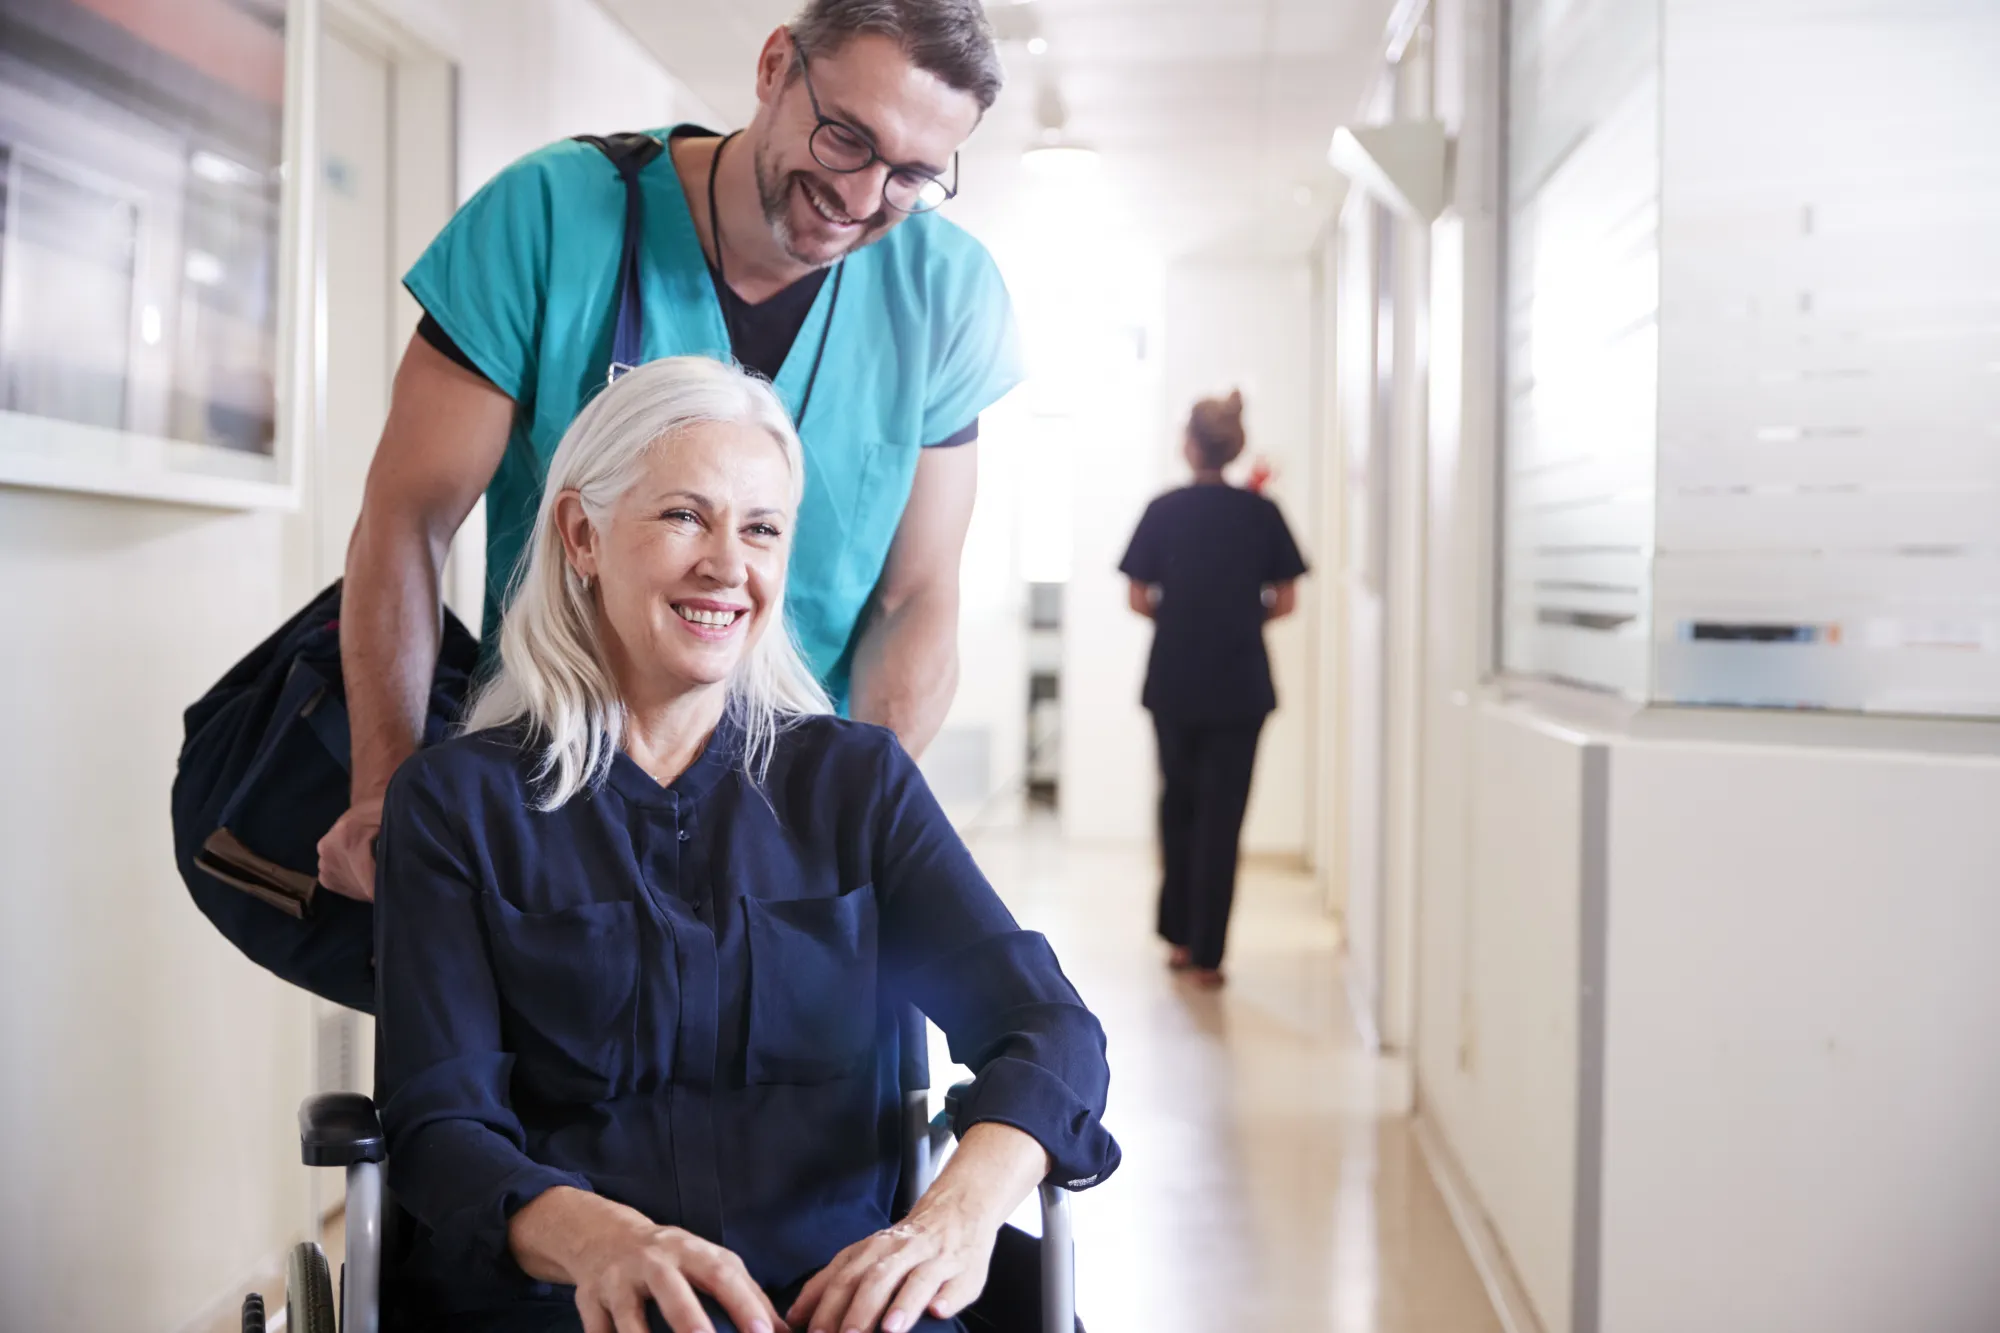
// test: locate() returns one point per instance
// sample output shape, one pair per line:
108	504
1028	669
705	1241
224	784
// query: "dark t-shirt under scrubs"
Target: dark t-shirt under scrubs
1211	550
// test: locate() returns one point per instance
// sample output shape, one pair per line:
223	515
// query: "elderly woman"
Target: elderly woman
643	929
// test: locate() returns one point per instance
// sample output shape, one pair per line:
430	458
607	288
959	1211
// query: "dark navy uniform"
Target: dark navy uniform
1211	550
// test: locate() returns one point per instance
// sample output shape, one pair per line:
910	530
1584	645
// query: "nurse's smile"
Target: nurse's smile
826	205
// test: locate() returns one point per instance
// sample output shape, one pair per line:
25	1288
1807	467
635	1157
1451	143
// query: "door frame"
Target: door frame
423	133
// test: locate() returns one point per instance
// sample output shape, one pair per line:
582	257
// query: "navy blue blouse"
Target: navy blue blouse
683	998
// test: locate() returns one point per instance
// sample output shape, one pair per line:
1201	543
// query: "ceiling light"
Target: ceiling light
1038	46
222	170
1061	159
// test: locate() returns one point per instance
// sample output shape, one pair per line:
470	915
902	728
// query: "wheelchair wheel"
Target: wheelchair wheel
308	1291
253	1313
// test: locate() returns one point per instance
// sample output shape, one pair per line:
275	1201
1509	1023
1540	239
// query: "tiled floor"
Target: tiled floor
1260	1189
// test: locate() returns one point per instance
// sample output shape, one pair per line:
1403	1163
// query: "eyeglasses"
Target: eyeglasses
841	148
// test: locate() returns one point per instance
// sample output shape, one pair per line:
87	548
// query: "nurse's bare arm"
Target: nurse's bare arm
1140	597
906	664
446	431
1283	600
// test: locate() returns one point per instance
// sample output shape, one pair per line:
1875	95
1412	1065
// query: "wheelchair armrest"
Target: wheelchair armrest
340	1129
943	1124
954	1097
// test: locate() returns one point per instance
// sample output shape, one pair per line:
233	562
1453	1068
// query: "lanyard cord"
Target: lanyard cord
726	298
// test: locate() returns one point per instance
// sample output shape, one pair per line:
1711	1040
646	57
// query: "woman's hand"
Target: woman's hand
935	1259
619	1260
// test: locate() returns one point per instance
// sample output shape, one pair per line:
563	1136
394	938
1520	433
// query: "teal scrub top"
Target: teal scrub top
524	280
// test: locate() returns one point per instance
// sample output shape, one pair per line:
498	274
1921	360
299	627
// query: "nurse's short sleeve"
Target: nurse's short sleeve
978	359
485	278
1146	558
1285	562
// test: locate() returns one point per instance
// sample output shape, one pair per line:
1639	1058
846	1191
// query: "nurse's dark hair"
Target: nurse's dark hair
1215	429
948	39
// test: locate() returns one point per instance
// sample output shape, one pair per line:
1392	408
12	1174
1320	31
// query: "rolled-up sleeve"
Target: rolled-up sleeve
950	946
457	1158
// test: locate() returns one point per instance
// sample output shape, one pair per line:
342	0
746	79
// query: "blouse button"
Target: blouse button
684	835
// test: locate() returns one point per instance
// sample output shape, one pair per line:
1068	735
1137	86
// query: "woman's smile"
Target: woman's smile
707	619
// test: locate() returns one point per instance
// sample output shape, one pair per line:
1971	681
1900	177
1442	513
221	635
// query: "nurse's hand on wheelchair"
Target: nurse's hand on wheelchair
619	1260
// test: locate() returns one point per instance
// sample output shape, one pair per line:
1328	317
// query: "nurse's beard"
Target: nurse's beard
774	194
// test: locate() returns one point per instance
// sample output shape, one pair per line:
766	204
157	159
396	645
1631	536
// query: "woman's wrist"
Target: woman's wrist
994	1168
962	1207
553	1236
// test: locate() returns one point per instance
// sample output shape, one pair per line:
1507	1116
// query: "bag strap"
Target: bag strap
629	153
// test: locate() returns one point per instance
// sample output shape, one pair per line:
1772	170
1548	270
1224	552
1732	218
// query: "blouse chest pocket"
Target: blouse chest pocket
812	987
568	985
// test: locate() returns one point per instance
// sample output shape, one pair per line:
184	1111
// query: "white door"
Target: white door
386	187
387	184
1366	372
359	294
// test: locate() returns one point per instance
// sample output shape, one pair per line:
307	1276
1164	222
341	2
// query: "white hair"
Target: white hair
553	676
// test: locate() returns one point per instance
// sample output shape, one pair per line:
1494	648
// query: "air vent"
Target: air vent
338	1056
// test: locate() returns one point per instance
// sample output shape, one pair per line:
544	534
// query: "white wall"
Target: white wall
1110	776
533	71
150	1074
1799	1089
1497	1058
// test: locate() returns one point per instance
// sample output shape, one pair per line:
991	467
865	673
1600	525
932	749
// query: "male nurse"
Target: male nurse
804	247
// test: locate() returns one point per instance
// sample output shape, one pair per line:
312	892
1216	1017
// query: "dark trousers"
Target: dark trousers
1206	770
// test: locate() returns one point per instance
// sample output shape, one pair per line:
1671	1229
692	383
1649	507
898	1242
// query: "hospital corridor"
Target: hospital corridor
999	666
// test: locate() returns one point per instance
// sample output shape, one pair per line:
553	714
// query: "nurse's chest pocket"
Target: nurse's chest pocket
867	486
812	987
568	985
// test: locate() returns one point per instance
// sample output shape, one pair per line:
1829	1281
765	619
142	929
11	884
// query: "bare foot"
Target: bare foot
1208	978
1180	960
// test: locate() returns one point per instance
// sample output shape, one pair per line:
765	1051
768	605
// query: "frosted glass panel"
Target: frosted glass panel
1582	341
1829	514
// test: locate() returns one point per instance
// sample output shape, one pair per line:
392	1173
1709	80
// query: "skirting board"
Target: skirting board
1482	1243
225	1313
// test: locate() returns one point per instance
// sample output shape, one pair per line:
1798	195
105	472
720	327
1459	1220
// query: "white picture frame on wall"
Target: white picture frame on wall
159	248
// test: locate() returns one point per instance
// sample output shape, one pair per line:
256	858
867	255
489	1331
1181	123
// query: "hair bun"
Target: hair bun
1216	427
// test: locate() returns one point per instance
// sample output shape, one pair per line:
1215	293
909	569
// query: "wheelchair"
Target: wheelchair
343	1130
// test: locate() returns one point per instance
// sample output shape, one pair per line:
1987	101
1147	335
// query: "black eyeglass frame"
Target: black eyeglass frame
826	122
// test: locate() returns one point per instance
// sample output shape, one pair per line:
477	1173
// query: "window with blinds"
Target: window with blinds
1583	298
1829	513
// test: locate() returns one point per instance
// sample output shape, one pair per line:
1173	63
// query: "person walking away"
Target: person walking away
1209	564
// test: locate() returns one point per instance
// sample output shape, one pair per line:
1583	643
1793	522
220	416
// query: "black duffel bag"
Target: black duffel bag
263	775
